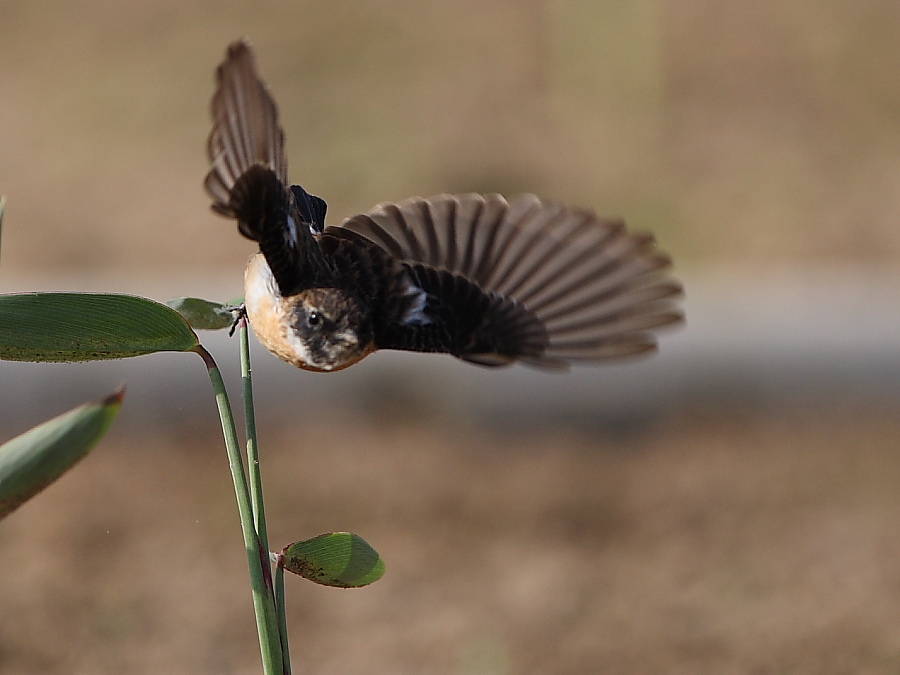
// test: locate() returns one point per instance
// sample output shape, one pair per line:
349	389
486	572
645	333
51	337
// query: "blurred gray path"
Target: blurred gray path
753	337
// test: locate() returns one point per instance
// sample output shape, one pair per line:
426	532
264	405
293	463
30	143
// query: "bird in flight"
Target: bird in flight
489	280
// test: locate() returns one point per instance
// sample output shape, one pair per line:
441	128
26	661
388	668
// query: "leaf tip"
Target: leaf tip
115	398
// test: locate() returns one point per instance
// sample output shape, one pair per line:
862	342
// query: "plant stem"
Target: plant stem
282	616
257	557
256	490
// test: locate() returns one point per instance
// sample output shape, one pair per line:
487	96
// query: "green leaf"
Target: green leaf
88	327
337	559
30	462
203	314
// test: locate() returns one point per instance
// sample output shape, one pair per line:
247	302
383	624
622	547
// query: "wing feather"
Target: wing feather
245	129
248	176
557	284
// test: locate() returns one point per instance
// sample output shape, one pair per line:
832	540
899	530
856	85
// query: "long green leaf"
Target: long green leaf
30	462
62	327
337	559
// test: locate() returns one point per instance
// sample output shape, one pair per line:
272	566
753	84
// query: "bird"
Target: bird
489	280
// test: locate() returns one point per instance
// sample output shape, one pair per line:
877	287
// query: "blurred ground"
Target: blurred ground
729	506
705	543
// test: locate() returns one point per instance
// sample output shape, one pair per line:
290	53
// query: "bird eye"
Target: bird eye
313	318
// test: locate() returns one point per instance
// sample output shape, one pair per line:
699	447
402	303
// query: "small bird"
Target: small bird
488	280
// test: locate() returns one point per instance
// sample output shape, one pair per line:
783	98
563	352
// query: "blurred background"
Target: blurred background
729	505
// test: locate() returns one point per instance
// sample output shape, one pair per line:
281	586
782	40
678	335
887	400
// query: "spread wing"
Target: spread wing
525	279
248	175
245	132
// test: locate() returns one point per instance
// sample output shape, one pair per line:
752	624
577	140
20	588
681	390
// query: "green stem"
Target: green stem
256	490
282	616
257	557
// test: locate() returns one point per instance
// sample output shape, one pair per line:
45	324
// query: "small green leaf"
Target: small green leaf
62	327
203	314
30	462
338	559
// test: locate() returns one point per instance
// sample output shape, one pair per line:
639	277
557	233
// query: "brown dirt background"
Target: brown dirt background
727	543
738	536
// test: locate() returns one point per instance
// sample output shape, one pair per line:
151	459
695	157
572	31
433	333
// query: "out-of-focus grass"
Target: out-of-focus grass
733	130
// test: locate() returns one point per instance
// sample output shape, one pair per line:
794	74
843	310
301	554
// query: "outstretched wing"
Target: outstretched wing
248	175
245	132
526	279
